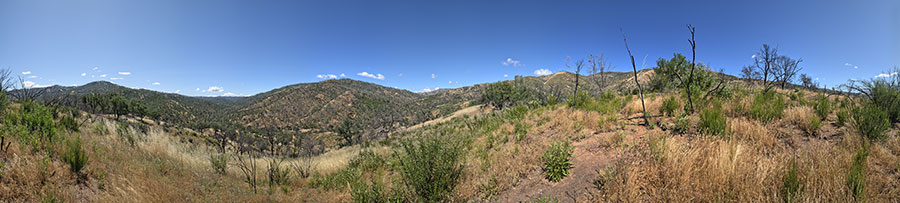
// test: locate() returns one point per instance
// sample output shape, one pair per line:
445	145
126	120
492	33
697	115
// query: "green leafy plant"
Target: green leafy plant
74	155
791	186
431	166
823	107
871	122
670	104
856	177
712	120
558	160
842	116
767	106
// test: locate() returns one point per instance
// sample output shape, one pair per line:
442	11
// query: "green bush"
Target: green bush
856	177
886	95
219	162
74	155
337	180
791	187
767	106
670	104
823	107
69	123
682	125
558	160
871	121
504	94
842	116
712	120
432	166
367	161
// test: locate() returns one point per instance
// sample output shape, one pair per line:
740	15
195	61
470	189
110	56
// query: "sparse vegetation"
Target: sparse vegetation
431	166
871	122
856	177
669	105
74	155
713	121
767	106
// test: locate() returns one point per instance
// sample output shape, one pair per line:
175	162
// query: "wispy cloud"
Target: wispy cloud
103	76
33	76
83	74
26	72
326	76
124	73
433	76
542	72
116	78
884	75
28	84
155	83
177	91
511	62
374	76
214	89
429	89
505	75
95	68
452	82
229	94
851	65
753	56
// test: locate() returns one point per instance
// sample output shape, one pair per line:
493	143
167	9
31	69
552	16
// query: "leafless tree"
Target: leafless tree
693	66
248	168
6	80
27	91
806	81
786	69
765	60
578	66
638	83
750	73
306	149
599	65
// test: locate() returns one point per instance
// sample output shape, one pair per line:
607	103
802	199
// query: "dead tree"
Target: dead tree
578	65
765	60
693	66
248	168
28	91
638	83
787	69
599	66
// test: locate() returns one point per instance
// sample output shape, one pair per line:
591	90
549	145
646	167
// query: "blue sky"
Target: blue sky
220	47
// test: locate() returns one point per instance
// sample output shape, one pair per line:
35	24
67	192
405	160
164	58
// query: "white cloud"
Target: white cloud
28	84
542	72
214	89
374	76
851	65
124	73
429	89
177	91
511	62
103	76
95	68
198	89
753	57
83	74
505	75
326	76
33	76
26	72
884	75
229	94
400	75
155	83
116	78
433	76
342	75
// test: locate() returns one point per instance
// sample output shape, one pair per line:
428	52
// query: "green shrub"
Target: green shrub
219	162
69	123
74	155
791	187
712	120
767	106
856	177
823	107
670	104
337	180
547	199
558	160
886	95
365	193
367	161
682	125
811	126
842	116
871	121
521	131
432	166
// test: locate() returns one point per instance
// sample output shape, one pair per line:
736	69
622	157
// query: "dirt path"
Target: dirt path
590	156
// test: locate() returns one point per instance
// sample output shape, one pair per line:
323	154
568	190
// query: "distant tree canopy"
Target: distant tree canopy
504	94
115	104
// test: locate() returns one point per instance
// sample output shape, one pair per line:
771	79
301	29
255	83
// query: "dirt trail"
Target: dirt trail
590	156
